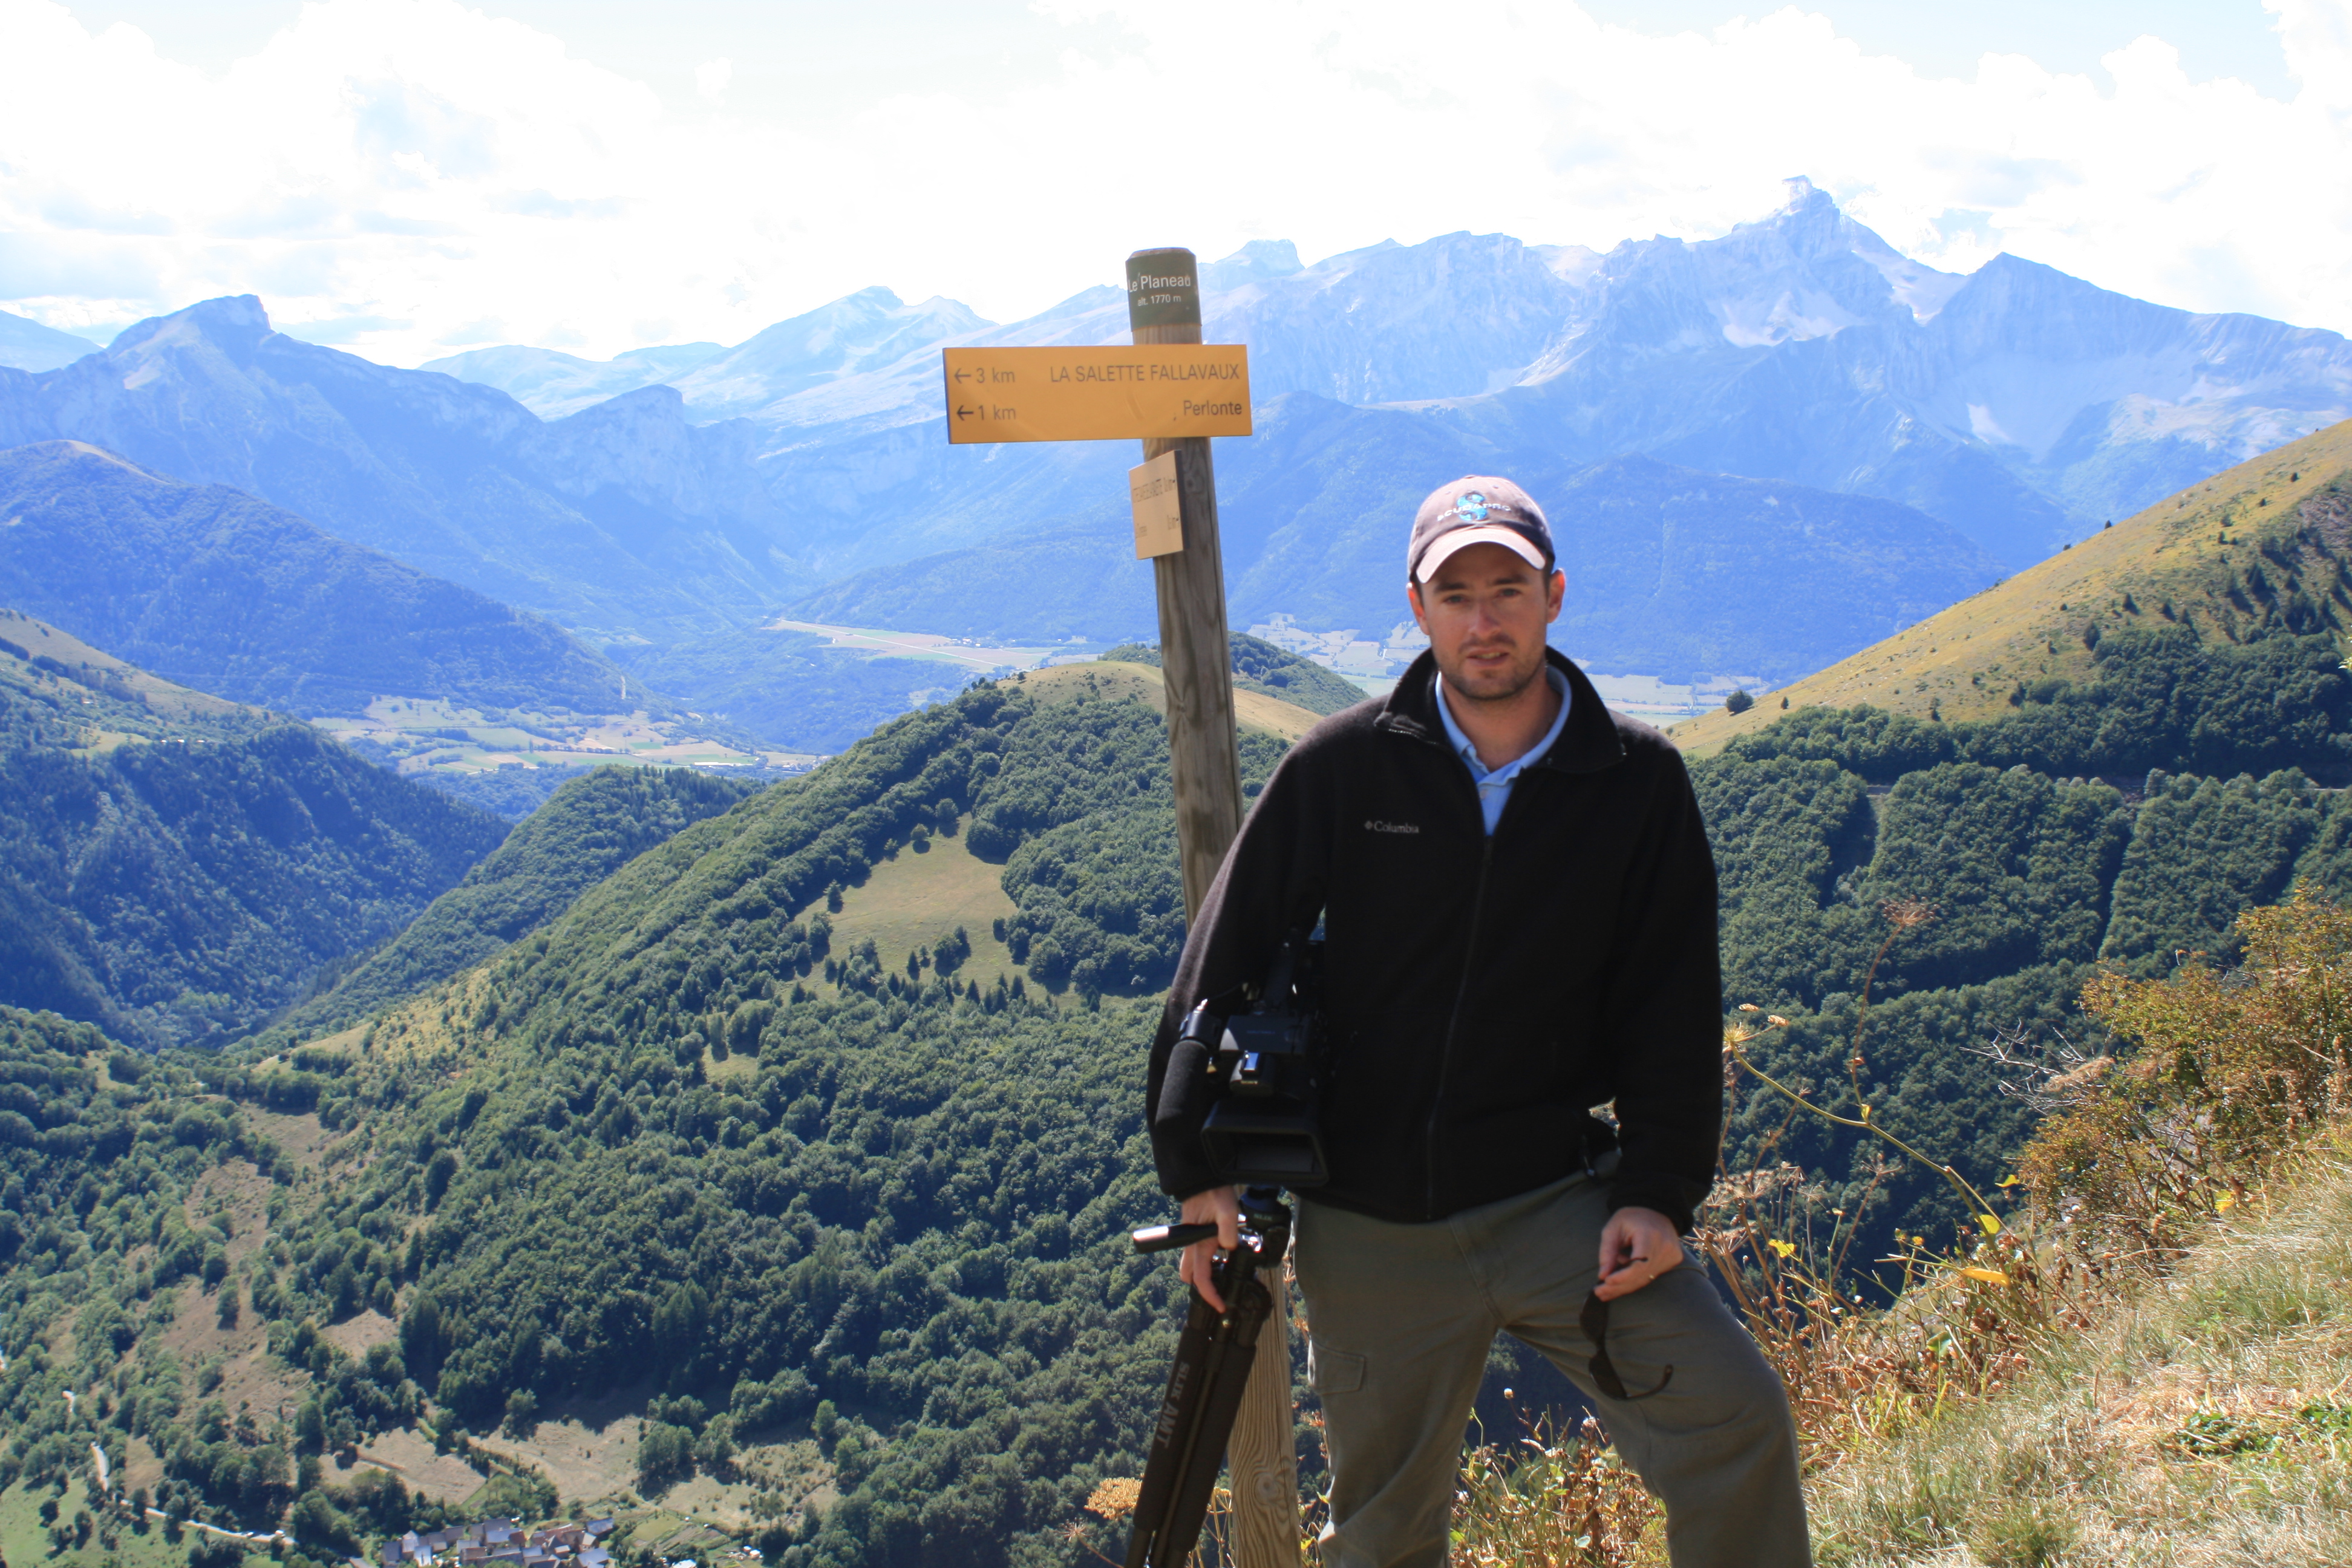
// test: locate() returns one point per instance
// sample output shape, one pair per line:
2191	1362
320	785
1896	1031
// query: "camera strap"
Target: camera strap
1594	1322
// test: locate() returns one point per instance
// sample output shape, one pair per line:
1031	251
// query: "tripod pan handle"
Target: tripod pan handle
1168	1237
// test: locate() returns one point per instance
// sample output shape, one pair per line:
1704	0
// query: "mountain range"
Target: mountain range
621	516
2017	405
2022	405
26	344
208	588
551	384
1671	572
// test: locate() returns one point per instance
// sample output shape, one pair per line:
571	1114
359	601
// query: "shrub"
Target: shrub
2218	1076
665	1455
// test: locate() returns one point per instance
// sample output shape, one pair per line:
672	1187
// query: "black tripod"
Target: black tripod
1204	1386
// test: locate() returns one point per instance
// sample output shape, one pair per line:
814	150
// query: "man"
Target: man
1519	916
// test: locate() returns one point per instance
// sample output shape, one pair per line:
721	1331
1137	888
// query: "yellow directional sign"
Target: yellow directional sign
1096	393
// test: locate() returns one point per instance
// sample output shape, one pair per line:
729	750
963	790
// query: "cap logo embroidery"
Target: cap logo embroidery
1470	508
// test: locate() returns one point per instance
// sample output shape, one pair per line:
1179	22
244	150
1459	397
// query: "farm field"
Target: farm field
24	1539
976	658
421	735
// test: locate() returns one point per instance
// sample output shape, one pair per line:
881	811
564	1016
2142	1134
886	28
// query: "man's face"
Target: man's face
1485	612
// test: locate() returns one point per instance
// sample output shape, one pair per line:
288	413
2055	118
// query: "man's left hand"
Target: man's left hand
1636	1247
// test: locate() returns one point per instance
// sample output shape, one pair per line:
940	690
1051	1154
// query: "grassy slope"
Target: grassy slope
1966	660
24	1539
911	900
1112	681
116	701
2206	1422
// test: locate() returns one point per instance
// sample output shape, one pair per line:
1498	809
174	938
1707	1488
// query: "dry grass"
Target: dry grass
1554	1500
409	1454
1116	681
2157	1374
2198	1418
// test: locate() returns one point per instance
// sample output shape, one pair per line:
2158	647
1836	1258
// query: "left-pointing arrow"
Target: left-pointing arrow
963	412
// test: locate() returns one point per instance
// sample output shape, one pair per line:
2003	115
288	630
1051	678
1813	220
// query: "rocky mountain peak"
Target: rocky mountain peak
1259	260
864	330
236	323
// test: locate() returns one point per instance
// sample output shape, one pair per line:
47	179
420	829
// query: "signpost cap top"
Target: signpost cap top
1163	288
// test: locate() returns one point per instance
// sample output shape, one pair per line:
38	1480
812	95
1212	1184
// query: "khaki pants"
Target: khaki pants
1400	1319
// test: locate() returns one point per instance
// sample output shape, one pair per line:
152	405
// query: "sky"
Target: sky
409	178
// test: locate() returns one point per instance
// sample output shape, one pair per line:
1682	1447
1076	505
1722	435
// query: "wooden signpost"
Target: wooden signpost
1175	393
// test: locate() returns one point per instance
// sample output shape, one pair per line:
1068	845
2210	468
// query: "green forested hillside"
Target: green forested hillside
593	825
2036	867
1259	666
174	868
58	693
681	1148
2100	761
99	1148
673	1134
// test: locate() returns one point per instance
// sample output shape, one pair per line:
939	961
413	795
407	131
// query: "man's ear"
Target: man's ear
1420	617
1554	592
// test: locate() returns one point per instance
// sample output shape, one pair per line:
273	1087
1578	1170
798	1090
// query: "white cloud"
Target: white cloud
396	173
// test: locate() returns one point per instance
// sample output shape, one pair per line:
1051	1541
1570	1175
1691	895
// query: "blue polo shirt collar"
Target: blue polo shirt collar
1494	783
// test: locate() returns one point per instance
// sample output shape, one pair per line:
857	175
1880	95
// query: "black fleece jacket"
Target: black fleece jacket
1480	993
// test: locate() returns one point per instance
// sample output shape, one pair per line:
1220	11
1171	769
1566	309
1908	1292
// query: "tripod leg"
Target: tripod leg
1188	1441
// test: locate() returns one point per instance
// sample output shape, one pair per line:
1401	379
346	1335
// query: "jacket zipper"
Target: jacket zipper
1454	1022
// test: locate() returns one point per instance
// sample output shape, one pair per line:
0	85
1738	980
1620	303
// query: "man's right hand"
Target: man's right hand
1223	1205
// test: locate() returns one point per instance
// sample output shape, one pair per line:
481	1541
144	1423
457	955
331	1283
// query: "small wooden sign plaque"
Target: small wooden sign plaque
1159	519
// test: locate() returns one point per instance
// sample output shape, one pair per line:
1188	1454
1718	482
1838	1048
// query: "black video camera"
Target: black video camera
1265	1067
